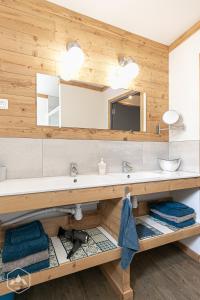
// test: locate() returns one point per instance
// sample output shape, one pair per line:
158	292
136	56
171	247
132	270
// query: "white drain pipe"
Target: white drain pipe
76	212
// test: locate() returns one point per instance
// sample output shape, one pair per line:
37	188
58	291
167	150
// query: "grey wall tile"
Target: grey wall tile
57	155
52	157
189	152
151	152
115	152
22	157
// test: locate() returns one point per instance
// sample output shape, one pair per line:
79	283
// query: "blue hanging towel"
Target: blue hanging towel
128	238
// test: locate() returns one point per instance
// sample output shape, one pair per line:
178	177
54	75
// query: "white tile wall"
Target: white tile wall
22	157
57	155
189	152
152	151
36	158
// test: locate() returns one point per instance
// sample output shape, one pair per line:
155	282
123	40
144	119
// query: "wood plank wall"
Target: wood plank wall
32	35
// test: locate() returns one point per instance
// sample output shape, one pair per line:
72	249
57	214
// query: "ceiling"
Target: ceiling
159	20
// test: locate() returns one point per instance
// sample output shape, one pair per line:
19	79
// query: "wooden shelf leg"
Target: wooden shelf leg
119	279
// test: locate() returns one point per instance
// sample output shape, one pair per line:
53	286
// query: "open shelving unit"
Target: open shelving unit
60	266
165	234
108	217
93	254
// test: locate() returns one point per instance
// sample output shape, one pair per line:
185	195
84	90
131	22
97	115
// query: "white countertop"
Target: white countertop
60	183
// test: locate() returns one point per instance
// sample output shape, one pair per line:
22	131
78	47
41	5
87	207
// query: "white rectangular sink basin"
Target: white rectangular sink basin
135	176
60	183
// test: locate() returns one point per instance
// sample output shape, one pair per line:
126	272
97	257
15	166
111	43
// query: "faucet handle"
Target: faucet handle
126	166
73	169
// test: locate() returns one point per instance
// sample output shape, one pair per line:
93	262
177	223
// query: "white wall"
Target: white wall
184	97
47	85
184	87
42	111
83	108
191	198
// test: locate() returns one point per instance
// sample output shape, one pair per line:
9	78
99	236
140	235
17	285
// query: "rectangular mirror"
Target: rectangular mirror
84	105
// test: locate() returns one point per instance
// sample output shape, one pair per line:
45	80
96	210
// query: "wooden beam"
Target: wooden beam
66	269
42	96
47	132
185	36
164	239
85	85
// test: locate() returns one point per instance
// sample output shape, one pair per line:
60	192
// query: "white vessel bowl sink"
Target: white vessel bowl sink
170	165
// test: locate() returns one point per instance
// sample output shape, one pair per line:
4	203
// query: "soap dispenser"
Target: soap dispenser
102	167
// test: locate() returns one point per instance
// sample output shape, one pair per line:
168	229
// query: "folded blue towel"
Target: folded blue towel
178	225
25	233
31	240
128	238
173	208
144	232
30	269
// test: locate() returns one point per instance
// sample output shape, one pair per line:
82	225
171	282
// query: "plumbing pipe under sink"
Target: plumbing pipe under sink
76	212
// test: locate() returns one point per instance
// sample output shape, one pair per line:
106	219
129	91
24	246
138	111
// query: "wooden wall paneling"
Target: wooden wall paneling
33	34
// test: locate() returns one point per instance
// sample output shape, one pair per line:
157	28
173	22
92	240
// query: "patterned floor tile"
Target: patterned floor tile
91	249
106	245
93	231
99	238
78	255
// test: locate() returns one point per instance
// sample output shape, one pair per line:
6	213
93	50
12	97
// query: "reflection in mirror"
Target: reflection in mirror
85	105
48	100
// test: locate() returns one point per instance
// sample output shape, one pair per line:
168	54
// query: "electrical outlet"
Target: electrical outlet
3	103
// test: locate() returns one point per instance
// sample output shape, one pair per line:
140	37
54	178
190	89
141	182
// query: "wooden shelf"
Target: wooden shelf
66	269
61	266
169	237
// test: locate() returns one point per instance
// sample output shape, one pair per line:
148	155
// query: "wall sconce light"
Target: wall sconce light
71	61
127	70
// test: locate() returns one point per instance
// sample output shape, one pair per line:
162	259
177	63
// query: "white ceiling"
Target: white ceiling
159	20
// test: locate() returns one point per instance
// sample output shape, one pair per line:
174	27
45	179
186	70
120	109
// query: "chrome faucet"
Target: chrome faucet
73	169
126	167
